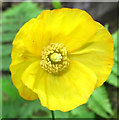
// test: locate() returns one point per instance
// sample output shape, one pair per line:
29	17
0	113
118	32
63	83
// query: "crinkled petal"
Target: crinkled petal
16	73
21	59
62	26
97	54
30	37
62	92
73	27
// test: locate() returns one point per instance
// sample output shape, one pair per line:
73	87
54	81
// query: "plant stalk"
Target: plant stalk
53	116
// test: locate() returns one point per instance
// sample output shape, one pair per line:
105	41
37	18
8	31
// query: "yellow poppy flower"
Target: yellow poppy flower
60	57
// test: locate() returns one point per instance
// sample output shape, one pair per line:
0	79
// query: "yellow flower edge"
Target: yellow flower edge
60	57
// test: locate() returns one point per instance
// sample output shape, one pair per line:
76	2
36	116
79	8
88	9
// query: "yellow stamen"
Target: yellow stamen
54	58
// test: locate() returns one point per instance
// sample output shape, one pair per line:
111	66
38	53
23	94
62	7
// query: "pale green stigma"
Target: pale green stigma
56	57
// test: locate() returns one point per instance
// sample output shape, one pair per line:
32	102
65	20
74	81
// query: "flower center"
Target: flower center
54	58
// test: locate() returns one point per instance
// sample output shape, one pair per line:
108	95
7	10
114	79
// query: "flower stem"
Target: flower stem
53	116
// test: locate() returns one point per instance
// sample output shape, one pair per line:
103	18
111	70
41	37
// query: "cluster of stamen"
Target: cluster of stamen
54	58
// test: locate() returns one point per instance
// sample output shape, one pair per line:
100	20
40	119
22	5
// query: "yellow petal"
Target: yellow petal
16	73
21	59
62	26
36	80
97	54
27	48
62	92
23	49
29	37
72	27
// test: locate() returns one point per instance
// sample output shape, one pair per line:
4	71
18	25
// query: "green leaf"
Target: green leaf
1	63
82	112
27	13
101	96
59	114
114	35
9	110
6	60
14	18
6	49
114	68
5	56
101	105
106	26
37	111
8	88
8	37
115	56
25	109
56	4
95	107
7	27
114	74
113	80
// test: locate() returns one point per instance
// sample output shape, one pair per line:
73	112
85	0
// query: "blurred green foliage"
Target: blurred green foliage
13	105
56	4
113	78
